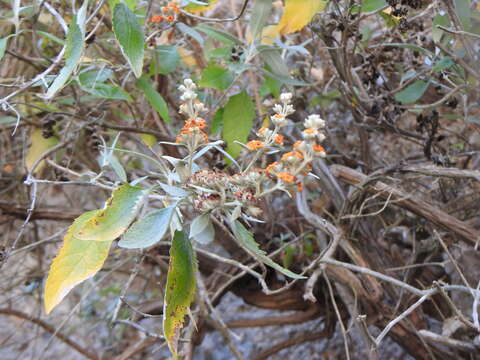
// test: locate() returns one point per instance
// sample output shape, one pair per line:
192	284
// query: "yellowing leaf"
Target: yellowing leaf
187	57
180	289
39	146
298	13
197	8
269	34
76	261
149	139
112	221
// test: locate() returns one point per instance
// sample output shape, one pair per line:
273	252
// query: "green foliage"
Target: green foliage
165	59
129	34
248	243
412	92
216	77
238	117
155	100
74	46
120	210
262	9
180	288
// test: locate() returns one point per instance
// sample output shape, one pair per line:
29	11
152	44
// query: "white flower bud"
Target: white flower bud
189	84
314	121
286	97
289	110
183	109
277	108
200	107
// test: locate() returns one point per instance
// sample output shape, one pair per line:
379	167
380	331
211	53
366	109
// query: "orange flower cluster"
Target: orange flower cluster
255	145
292	155
318	148
192	127
286	176
169	13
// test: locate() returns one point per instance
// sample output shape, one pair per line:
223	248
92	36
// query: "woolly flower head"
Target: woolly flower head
286	98
314	121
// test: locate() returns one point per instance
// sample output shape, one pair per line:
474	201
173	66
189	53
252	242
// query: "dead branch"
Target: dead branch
418	207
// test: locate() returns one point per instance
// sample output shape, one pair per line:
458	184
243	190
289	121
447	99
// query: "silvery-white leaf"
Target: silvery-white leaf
173	190
206	236
148	230
199	224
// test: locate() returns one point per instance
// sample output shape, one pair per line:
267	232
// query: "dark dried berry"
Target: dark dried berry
452	103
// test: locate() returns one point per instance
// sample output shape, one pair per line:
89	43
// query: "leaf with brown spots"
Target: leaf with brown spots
112	221
180	289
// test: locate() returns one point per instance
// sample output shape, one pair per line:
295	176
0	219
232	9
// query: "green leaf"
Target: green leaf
166	59
247	242
412	92
216	77
260	12
3	45
187	30
373	5
118	168
106	91
237	121
149	230
219	35
217	122
155	100
180	289
442	20
112	221
462	8
130	36
76	261
90	79
272	57
73	52
38	146
270	86
443	63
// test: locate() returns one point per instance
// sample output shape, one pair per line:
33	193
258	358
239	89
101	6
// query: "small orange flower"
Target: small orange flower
165	9
270	167
318	148
296	144
278	116
279	139
255	145
174	7
299	187
156	19
295	154
170	18
192	123
286	177
310	131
